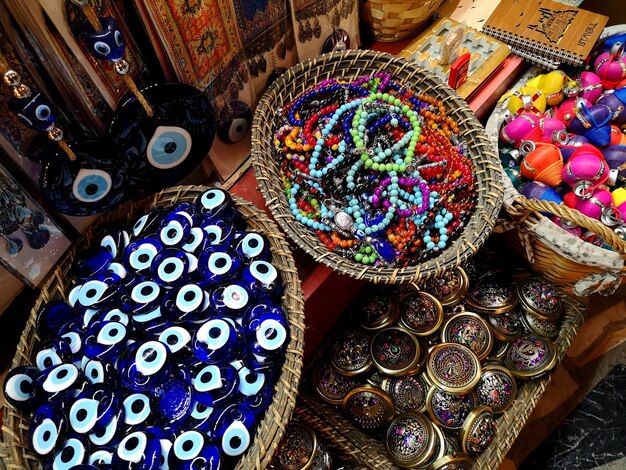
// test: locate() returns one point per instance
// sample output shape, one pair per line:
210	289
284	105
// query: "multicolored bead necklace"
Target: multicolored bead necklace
376	170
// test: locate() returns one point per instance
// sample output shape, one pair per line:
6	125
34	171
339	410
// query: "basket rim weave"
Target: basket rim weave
14	447
371	452
349	64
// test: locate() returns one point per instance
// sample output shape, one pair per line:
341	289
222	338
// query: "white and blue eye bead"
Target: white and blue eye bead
218	232
215	202
105	339
266	330
195	240
263	280
137	409
53	351
75	451
47	431
253	246
176	338
200	417
100	372
183	303
170	267
20	387
60	382
217	340
147	224
233	429
231	299
138	451
192	449
102	458
218	264
93	409
111	432
144	365
115	241
174	229
139	254
214	385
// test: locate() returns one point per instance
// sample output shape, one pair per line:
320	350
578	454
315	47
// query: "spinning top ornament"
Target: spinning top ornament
522	127
592	122
544	164
611	66
590	86
165	129
585	170
565	111
538	190
595	204
551	85
616	101
84	178
526	99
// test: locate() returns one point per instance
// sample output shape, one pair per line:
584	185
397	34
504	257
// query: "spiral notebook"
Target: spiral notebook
546	32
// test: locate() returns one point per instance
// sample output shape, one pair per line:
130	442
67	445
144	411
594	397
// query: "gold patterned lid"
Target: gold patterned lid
395	351
408	393
368	407
540	298
534	324
492	297
378	310
498	351
410	439
376	378
449	288
322	459
496	388
458	461
440	448
447	410
506	326
351	353
420	313
478	431
332	386
453	367
297	449
530	356
469	330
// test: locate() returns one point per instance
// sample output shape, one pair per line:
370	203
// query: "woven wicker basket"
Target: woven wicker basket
371	453
349	65
397	20
14	448
579	267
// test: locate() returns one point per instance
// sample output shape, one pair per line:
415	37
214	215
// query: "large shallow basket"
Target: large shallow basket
371	453
577	266
350	65
399	19
14	449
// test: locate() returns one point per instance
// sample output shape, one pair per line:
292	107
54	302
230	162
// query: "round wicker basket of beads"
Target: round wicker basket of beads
374	167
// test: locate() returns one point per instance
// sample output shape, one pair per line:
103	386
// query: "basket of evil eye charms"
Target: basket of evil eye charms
410	397
374	167
562	148
170	335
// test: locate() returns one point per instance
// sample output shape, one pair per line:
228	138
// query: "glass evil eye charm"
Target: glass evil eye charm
93	409
218	264
175	228
171	401
200	417
20	387
253	246
170	144
143	365
100	372
53	351
234	122
140	450
108	43
191	450
218	232
140	253
105	339
75	452
148	224
185	303
170	267
214	203
215	384
59	384
91	262
137	409
195	240
51	316
47	431
35	111
115	241
262	279
231	431
176	338
92	183
266	330
96	294
216	341
230	299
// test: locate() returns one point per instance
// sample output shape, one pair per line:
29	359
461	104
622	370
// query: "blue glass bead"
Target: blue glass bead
93	409
251	382
430	245
174	229
97	293
263	279
137	410
148	224
261	401
100	372
53	351
140	450
140	253
100	459
143	365
170	267
185	303
177	339
47	431
142	297
109	42
215	203
112	432
266	330
51	316
384	249
230	299
200	417
217	340
233	428
36	111
192	450
171	401
20	387
218	264
74	338
194	241
164	147
214	384
105	339
74	452
92	261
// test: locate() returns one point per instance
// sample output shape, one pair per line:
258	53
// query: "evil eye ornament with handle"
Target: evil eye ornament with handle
84	178
166	129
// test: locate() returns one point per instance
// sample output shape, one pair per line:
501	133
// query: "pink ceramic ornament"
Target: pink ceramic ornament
585	170
565	111
616	101
567	225
590	86
595	205
520	128
610	69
